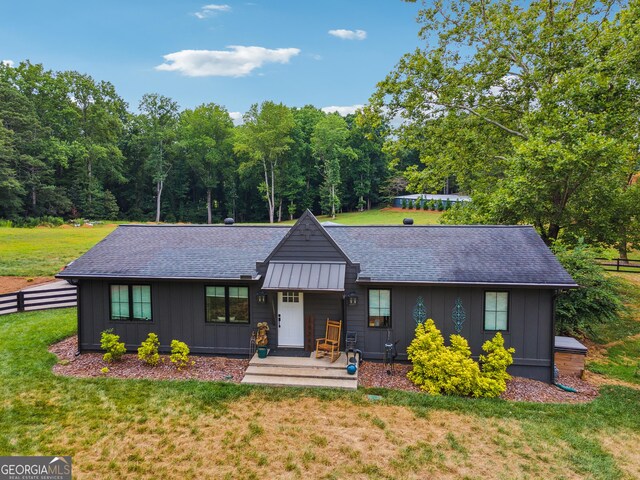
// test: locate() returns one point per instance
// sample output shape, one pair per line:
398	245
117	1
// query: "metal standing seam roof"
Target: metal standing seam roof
312	276
442	254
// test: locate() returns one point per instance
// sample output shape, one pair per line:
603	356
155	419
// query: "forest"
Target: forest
71	147
532	110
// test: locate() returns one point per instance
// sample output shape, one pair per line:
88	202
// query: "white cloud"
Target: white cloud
349	34
237	61
236	117
8	63
212	10
343	110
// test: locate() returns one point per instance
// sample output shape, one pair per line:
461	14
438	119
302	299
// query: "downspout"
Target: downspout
554	297
556	293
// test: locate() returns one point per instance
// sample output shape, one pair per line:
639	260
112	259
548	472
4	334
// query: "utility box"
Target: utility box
570	355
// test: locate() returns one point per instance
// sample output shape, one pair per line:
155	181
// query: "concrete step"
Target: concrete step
276	380
310	372
300	362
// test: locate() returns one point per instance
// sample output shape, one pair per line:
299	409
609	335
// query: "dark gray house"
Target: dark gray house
209	285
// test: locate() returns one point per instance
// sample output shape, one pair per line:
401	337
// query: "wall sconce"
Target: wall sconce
261	296
352	299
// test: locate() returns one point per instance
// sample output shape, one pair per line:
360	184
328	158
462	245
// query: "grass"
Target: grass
165	429
621	340
382	217
30	252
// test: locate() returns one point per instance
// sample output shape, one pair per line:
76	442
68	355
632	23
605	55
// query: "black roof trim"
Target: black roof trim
474	284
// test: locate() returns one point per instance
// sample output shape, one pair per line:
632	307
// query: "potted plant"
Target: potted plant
261	339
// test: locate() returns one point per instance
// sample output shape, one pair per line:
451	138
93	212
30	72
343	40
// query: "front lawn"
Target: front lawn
619	342
43	251
191	429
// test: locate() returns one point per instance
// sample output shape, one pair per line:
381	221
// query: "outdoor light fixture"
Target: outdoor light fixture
352	299
261	296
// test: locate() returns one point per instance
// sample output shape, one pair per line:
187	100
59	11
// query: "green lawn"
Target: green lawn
622	339
382	217
190	429
31	252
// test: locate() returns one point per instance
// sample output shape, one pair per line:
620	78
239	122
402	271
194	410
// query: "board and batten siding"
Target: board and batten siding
178	312
529	331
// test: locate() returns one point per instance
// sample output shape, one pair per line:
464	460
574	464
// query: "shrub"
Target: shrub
404	203
148	350
438	369
109	342
596	301
180	355
410	205
440	206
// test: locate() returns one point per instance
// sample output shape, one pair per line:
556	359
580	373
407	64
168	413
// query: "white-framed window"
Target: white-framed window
291	297
380	308
496	311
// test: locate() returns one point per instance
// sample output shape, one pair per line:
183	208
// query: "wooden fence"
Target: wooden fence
29	300
619	265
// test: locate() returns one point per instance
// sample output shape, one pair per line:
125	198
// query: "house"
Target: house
209	285
422	198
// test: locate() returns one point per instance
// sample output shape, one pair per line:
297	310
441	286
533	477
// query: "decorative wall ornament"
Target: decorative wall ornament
458	315
419	311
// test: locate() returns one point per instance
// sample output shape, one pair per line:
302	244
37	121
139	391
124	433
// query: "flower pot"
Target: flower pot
262	352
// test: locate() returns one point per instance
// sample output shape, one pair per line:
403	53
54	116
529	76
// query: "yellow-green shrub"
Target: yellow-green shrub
438	369
109	341
148	350
180	354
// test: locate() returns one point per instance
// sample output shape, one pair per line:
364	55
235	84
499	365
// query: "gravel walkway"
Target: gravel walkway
371	374
90	364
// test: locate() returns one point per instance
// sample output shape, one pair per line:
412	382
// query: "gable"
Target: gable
307	240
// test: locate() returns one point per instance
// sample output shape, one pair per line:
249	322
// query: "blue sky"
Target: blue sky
325	53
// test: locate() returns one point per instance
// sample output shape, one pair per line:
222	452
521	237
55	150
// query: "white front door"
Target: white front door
290	319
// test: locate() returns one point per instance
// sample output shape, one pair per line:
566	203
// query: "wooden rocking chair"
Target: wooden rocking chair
330	344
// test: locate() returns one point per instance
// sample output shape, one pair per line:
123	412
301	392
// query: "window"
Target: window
131	302
496	310
291	297
380	308
227	304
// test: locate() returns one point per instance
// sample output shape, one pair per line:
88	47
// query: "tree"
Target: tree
11	190
530	108
160	115
205	137
265	139
328	144
96	161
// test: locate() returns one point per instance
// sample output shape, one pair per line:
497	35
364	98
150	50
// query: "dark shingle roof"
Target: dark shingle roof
428	254
177	251
452	254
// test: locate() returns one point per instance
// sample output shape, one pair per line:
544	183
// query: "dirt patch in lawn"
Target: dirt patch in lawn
601	380
257	437
91	364
14	284
623	446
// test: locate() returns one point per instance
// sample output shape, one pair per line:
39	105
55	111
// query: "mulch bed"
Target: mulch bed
370	374
91	364
373	374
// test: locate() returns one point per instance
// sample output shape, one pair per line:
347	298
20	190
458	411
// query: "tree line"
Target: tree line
533	107
71	147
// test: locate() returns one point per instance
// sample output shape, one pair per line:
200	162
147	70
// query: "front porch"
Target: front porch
300	372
